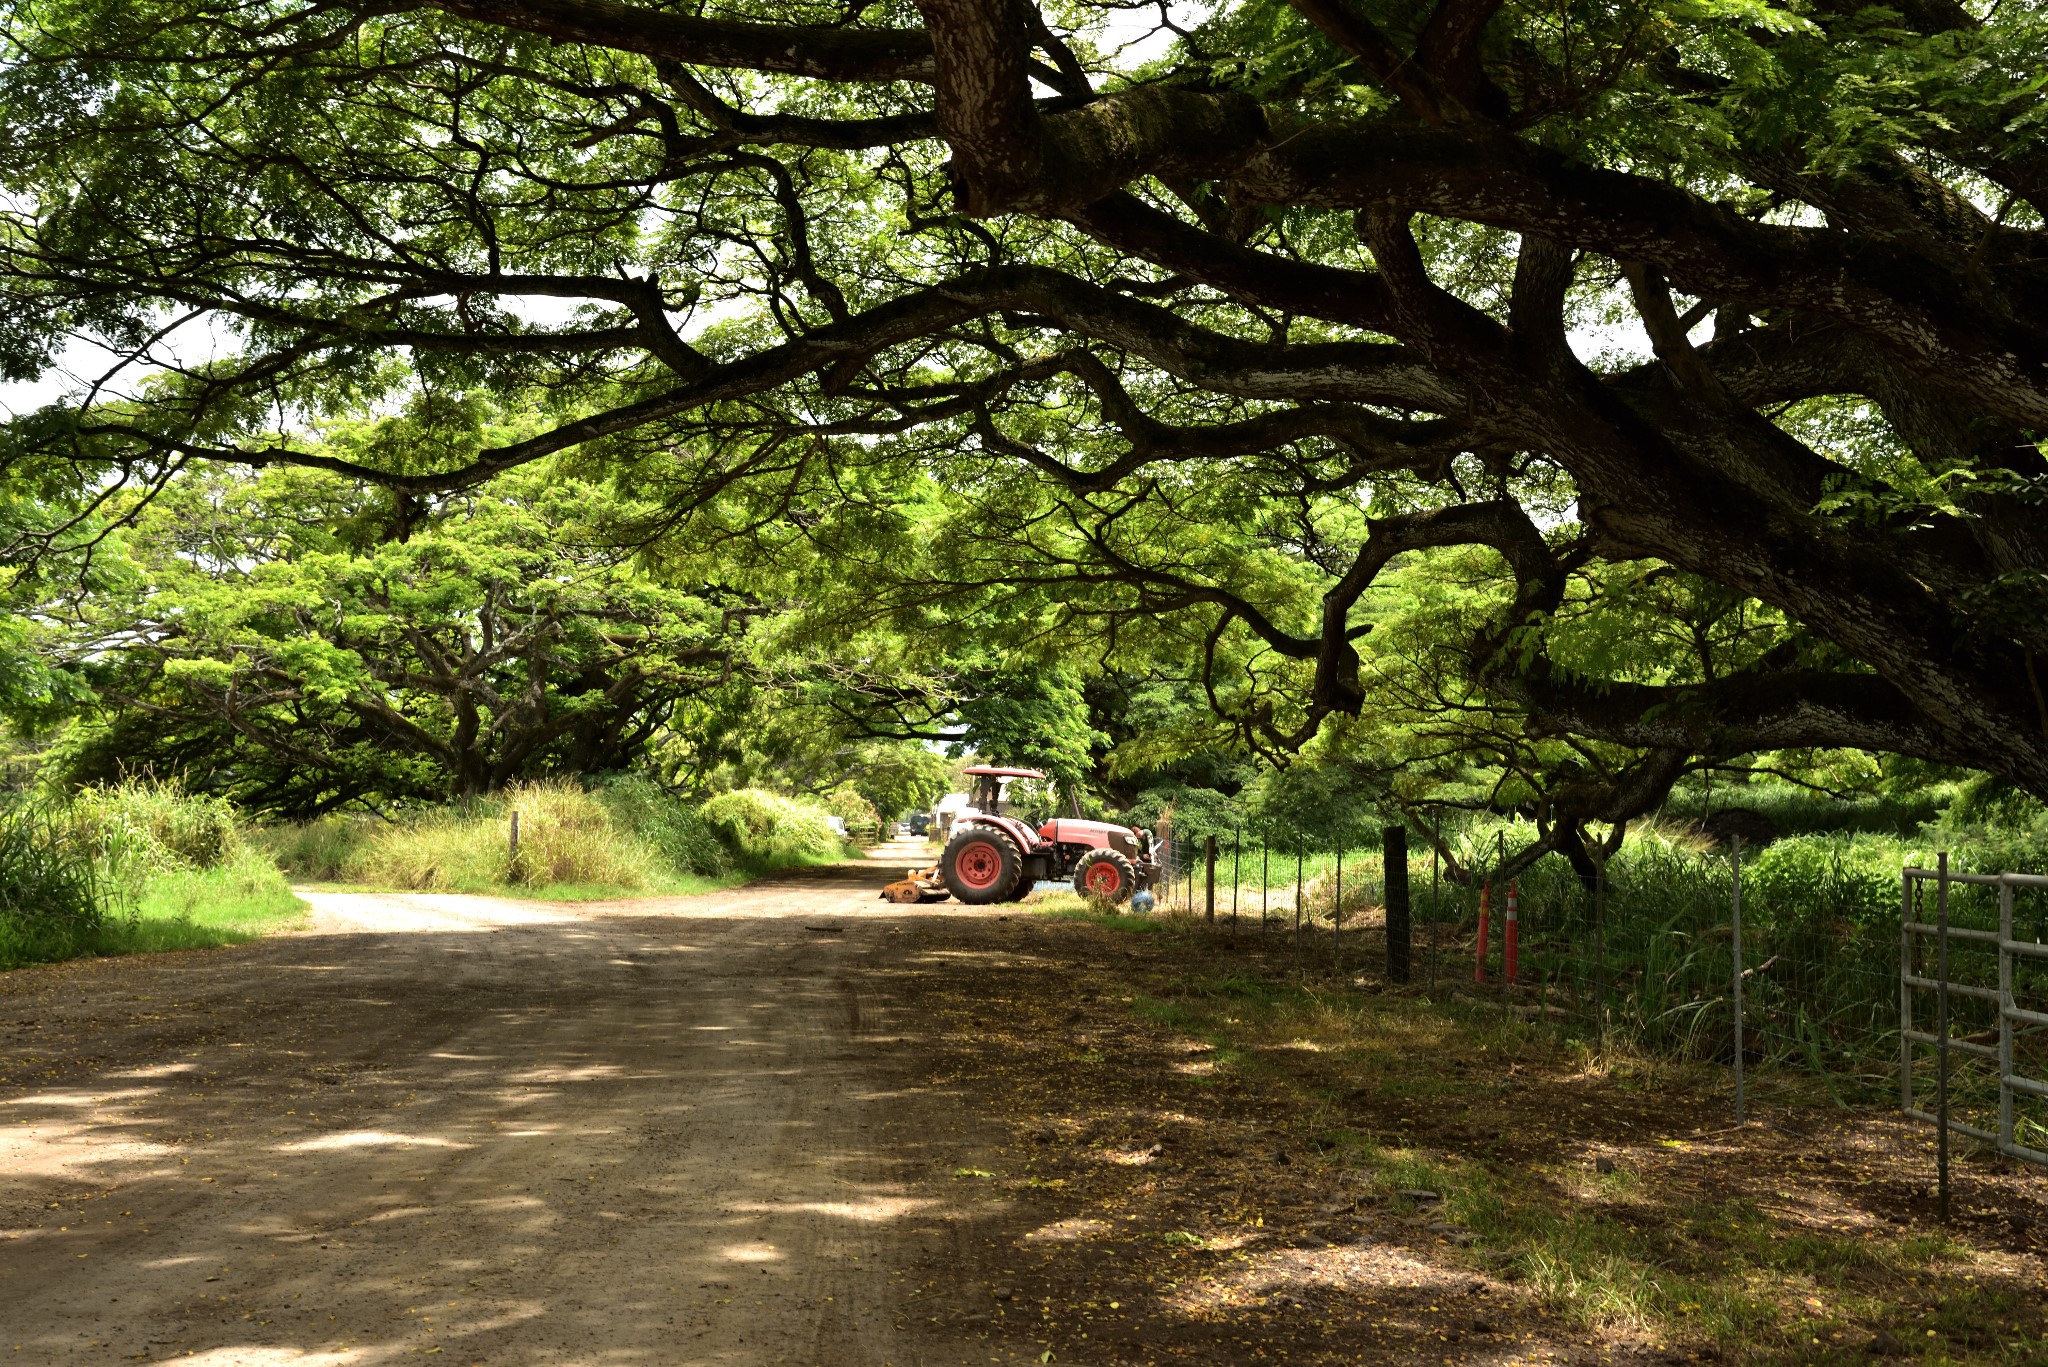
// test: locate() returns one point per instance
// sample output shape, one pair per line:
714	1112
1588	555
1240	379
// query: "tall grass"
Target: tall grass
624	839
54	897
140	866
766	829
677	830
1651	963
154	824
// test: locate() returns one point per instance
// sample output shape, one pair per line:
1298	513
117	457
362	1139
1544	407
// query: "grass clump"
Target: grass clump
155	824
449	851
54	894
767	830
676	830
569	838
317	851
1069	906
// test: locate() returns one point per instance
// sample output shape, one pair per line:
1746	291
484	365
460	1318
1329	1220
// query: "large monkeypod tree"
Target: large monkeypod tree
269	639
1753	290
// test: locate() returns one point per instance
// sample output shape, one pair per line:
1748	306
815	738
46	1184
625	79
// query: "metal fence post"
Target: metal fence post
1265	882
1479	944
2005	1010
1600	947
1735	920
1909	896
1510	939
1400	935
1299	852
1941	1036
1435	910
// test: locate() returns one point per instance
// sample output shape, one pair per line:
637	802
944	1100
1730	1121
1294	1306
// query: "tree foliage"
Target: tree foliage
274	639
1663	382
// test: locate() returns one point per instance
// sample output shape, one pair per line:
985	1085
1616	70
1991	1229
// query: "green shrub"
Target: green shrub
766	828
317	851
1826	878
154	825
676	830
1995	802
2019	845
54	898
856	811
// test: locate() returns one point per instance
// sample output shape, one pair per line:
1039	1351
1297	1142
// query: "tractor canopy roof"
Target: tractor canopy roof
1000	772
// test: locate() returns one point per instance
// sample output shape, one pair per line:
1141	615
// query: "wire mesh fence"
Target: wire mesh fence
1650	953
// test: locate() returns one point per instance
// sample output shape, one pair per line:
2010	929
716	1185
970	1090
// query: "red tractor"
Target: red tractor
996	858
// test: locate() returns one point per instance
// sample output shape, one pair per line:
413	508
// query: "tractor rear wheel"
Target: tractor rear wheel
1105	875
981	865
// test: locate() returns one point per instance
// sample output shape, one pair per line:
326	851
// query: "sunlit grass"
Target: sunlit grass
235	901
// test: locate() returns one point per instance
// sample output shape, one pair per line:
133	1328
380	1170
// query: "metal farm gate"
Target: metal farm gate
1989	1042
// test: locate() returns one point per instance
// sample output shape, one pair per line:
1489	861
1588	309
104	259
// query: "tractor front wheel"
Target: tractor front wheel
981	865
1105	875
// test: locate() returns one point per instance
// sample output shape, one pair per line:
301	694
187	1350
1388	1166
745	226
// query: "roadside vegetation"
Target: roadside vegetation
1651	957
139	866
623	838
147	866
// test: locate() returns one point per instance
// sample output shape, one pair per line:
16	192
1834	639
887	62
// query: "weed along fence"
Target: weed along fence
1308	896
1725	957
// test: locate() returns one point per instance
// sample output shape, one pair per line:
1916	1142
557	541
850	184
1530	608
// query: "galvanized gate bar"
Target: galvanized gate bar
1961	1046
1989	937
2011	1015
1957	1126
1982	994
2005	1011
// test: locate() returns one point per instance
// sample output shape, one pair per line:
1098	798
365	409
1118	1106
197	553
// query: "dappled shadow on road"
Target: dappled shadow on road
818	1130
628	1139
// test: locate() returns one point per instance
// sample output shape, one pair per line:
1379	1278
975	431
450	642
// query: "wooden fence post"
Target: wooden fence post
1209	863
1394	844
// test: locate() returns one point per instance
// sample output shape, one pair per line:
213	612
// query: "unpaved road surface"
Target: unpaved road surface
790	1123
677	1131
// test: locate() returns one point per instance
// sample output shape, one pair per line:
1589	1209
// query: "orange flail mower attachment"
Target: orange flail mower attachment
917	885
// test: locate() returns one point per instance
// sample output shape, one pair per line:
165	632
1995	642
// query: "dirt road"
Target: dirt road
679	1131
